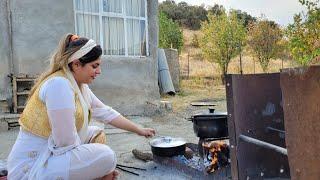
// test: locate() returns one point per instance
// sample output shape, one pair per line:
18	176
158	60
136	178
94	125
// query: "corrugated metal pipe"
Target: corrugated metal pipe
165	81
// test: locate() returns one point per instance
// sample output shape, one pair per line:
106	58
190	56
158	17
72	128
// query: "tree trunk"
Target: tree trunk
223	78
223	74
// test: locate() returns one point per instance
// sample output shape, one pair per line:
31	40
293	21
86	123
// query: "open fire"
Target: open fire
216	155
209	160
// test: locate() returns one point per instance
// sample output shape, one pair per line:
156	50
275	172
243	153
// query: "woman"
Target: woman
55	141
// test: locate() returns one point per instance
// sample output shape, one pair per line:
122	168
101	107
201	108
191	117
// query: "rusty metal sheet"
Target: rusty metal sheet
231	129
301	99
254	105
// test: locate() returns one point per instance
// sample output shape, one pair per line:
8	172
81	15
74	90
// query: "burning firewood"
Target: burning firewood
218	154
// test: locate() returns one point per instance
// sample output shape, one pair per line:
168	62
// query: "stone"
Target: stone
188	153
145	156
3	125
168	106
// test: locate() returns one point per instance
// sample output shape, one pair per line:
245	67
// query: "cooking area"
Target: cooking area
246	138
250	140
208	159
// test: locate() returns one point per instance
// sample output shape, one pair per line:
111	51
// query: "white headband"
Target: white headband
82	51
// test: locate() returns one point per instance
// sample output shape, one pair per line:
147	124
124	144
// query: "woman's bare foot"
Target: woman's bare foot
111	176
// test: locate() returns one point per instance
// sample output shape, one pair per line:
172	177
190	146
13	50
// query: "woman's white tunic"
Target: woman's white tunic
68	157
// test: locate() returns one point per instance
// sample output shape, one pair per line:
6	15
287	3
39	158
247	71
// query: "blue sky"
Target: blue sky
280	11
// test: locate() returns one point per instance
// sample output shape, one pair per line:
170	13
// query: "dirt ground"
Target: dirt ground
173	124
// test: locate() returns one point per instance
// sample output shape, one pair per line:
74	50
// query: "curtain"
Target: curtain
114	39
136	37
87	5
135	8
135	28
117	13
112	6
87	24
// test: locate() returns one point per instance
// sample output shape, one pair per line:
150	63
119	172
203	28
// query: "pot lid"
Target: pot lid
167	142
215	114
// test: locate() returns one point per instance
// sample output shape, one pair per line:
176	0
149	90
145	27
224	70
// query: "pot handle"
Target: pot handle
189	119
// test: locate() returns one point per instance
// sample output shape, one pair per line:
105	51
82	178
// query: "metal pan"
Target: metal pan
168	146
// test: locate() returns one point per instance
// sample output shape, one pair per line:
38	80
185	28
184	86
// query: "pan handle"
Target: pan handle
189	119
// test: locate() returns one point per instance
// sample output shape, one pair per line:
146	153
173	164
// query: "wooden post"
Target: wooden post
14	94
240	44
241	72
188	65
254	65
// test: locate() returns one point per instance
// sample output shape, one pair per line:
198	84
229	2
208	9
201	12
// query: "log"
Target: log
145	156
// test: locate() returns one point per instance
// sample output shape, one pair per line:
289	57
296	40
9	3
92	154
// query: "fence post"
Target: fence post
241	72
254	65
188	65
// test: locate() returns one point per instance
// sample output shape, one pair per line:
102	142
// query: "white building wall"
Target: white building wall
37	26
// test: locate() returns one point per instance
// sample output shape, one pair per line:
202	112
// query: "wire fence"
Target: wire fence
192	64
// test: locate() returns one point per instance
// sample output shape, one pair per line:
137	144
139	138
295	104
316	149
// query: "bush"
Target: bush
195	41
170	35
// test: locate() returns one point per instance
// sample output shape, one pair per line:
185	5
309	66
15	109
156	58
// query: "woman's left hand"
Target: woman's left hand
146	132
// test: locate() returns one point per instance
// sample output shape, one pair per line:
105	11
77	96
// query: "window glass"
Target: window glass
114	6
114	39
143	39
135	8
87	5
119	26
88	26
136	37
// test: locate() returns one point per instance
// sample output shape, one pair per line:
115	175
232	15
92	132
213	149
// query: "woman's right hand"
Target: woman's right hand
146	132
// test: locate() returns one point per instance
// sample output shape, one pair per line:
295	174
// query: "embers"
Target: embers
215	155
195	164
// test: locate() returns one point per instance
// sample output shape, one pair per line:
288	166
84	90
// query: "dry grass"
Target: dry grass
200	79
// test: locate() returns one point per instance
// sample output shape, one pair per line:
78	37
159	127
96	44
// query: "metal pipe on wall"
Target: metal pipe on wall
263	144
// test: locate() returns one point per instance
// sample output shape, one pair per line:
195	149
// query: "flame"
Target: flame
214	147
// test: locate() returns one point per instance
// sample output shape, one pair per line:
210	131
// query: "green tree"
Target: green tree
264	40
304	34
245	17
216	10
221	40
184	14
170	34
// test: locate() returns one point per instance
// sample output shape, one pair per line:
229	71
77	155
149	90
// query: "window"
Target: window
119	26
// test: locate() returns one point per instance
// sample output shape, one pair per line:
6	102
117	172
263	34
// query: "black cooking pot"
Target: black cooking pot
210	125
168	146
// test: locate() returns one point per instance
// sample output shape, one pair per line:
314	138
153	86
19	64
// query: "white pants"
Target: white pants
90	161
87	161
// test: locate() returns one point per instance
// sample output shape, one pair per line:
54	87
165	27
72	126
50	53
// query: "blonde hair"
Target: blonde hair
58	61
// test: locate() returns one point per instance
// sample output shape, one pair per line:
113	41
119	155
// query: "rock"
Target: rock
145	156
188	153
3	126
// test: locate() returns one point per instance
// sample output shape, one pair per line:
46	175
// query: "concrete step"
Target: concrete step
8	121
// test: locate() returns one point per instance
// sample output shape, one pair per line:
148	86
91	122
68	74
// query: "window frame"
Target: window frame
122	15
